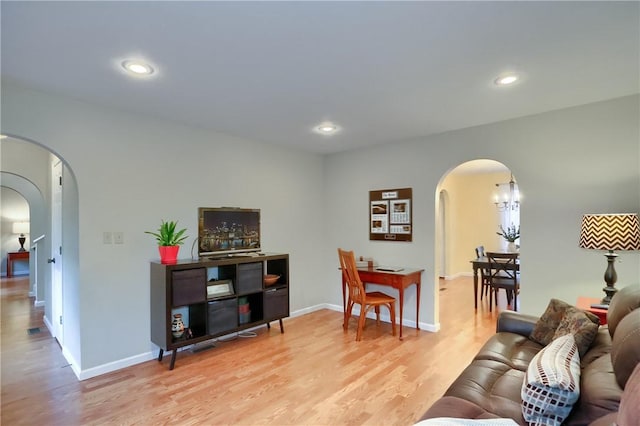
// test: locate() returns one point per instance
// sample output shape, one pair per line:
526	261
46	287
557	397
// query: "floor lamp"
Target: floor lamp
610	232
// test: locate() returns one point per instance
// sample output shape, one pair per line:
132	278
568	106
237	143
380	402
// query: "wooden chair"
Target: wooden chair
503	274
357	294
484	274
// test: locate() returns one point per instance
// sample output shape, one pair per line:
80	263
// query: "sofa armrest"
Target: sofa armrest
514	322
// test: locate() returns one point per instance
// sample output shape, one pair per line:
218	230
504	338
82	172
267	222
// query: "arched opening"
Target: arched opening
28	168
474	202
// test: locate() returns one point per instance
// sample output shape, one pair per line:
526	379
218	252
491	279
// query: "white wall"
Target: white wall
131	172
568	162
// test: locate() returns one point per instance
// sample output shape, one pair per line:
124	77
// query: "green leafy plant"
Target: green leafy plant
510	234
167	234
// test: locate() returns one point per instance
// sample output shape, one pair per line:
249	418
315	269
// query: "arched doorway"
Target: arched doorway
28	167
469	215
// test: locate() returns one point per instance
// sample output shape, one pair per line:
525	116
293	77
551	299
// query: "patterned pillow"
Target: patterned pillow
576	322
545	328
552	383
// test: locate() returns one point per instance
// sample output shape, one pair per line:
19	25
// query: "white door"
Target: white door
56	251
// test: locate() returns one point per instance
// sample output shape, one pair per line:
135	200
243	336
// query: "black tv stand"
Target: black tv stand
182	288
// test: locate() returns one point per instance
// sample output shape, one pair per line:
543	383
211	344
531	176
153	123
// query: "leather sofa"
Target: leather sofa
490	387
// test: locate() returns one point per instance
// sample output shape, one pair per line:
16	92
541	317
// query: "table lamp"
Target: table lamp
21	228
620	231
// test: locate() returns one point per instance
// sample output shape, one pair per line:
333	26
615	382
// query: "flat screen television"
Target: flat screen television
228	230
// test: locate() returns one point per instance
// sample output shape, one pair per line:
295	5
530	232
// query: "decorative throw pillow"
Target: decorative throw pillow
545	328
552	383
576	322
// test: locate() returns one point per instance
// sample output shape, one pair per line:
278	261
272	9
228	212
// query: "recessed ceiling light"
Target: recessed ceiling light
137	67
326	128
506	79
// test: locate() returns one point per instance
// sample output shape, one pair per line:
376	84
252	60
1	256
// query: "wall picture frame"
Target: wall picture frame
391	214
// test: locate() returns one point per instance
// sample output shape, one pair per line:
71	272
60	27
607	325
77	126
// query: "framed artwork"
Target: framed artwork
390	214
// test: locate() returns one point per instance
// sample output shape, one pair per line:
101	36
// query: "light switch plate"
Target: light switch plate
118	237
107	238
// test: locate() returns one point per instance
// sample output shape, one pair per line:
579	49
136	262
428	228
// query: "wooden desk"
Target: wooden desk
584	303
13	256
483	263
398	280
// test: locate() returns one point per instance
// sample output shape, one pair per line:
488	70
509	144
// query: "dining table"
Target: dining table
483	263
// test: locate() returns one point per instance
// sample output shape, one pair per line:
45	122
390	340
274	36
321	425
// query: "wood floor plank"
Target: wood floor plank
313	374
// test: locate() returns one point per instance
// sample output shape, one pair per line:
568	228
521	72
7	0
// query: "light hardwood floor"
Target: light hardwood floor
313	374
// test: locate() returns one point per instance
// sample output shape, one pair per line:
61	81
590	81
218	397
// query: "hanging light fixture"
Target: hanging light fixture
507	196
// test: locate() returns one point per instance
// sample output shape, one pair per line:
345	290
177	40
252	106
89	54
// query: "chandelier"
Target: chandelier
507	196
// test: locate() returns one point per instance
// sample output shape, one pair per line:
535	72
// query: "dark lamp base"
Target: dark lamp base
21	240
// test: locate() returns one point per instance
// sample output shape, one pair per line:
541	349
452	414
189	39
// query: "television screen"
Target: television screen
226	230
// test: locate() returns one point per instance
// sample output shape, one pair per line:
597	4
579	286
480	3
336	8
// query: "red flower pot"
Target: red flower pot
168	254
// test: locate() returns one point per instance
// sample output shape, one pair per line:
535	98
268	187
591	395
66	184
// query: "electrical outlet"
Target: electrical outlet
107	238
118	237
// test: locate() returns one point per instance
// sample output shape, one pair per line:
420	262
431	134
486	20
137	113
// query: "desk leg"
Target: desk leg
418	304
401	294
475	286
9	268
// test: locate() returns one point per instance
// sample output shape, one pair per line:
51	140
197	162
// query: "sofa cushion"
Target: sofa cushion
623	302
599	392
625	347
492	385
545	328
513	350
552	383
449	406
629	413
576	322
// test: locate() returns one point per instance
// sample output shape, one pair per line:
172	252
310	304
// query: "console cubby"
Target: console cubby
276	303
279	267
184	288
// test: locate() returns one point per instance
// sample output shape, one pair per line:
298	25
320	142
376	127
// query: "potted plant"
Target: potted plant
511	234
169	241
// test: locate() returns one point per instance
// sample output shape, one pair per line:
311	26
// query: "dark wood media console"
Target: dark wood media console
216	296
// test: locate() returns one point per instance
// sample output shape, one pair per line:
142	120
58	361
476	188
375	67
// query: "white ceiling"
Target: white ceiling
383	71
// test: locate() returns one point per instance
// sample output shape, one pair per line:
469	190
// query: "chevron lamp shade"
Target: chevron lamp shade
610	231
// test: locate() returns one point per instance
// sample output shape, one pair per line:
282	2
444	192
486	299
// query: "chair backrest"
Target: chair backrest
351	277
480	251
502	265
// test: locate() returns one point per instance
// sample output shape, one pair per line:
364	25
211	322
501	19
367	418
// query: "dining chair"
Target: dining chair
484	273
503	274
358	295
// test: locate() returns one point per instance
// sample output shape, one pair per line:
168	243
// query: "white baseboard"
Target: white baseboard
48	324
148	356
111	366
72	362
38	303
